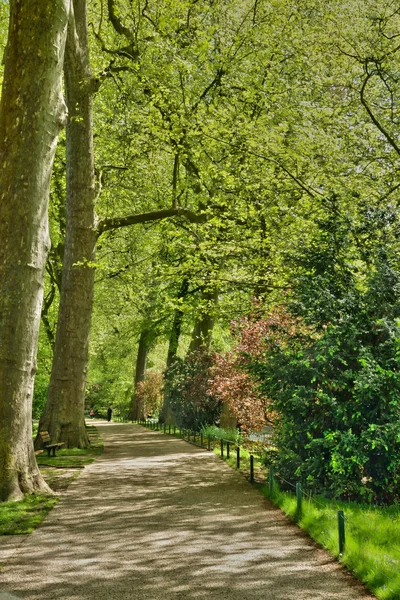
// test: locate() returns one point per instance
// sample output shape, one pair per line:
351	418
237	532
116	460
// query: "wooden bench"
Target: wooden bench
44	436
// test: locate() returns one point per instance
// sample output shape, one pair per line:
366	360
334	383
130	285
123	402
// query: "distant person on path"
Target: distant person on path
91	414
109	413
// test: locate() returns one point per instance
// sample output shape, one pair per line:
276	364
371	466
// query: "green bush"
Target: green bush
186	390
336	390
269	456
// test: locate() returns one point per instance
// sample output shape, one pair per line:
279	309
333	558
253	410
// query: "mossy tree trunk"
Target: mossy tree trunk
64	413
205	321
138	408
32	113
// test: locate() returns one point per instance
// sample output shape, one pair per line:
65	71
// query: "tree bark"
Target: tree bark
138	408
32	113
167	415
177	324
63	417
204	324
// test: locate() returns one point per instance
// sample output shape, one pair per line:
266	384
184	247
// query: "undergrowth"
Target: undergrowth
233	435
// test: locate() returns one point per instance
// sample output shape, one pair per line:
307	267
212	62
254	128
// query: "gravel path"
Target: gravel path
156	518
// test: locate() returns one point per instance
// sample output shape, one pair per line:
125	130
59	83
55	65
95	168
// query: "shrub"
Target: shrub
233	435
186	389
235	383
149	392
337	392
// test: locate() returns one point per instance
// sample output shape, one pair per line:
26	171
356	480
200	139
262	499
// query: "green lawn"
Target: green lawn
372	550
25	515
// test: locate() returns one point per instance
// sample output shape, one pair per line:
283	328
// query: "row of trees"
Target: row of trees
204	143
322	368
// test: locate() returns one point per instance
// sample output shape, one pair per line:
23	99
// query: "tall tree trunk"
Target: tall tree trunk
204	324
64	413
138	408
177	324
31	114
167	415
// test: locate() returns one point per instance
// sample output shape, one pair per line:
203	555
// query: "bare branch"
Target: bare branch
372	116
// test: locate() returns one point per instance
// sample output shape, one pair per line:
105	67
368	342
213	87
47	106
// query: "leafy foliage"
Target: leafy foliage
186	389
232	380
149	392
337	392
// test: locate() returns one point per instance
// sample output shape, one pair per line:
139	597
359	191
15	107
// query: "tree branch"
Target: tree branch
373	118
117	23
157	215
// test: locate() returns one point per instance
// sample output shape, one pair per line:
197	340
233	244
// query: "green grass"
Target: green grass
233	435
25	515
70	457
372	549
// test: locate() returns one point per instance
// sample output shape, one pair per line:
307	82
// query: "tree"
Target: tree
214	102
232	381
32	112
63	417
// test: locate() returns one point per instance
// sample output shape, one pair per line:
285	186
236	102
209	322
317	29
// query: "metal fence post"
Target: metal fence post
271	480
251	468
341	530
237	457
227	449
299	498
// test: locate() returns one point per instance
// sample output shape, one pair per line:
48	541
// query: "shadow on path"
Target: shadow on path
156	518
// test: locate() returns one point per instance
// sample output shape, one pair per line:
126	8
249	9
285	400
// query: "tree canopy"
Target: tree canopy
227	168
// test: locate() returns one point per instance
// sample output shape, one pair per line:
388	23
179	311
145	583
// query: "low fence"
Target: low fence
226	446
229	449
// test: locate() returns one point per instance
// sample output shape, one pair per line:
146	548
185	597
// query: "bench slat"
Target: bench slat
45	437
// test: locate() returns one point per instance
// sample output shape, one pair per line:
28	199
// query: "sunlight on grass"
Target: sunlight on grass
25	515
70	457
372	550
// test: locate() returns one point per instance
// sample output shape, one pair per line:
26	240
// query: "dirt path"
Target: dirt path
156	518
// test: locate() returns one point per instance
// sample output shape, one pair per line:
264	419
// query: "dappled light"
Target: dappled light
157	518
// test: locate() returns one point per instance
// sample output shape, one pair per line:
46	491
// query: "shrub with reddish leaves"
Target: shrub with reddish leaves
232	380
186	390
149	392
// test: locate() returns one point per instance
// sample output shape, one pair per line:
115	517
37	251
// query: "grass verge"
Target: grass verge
24	516
372	550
